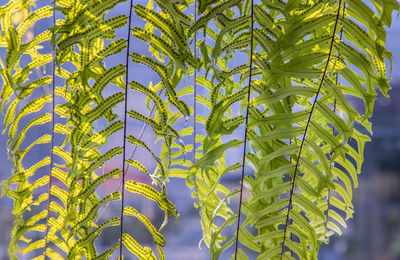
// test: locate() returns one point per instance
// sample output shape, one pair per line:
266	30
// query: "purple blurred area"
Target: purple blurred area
373	233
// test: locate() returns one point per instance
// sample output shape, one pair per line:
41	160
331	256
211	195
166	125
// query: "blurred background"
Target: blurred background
373	233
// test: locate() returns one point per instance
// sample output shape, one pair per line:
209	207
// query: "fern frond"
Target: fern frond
300	143
274	78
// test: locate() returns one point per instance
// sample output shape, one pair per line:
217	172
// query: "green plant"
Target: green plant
301	137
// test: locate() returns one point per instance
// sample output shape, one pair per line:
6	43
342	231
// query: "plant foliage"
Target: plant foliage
275	79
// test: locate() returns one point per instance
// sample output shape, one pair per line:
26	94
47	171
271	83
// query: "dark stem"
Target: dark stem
194	178
131	156
245	130
306	128
125	119
333	132
53	70
194	86
291	220
194	106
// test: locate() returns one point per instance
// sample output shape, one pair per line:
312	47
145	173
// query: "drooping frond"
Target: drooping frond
306	138
273	81
25	112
